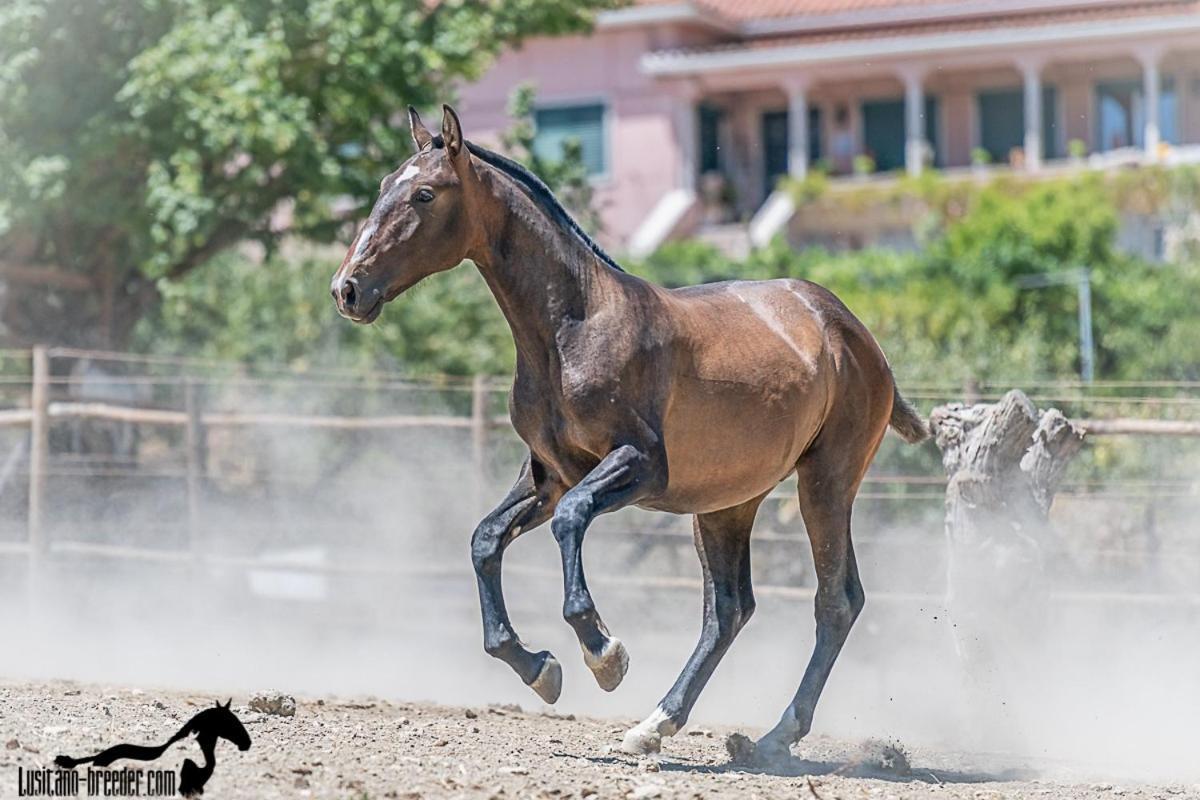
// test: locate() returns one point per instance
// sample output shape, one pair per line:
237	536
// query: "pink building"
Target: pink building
690	111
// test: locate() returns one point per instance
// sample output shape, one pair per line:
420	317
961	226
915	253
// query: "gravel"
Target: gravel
371	748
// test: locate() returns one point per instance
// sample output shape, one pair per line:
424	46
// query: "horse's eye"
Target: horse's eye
423	196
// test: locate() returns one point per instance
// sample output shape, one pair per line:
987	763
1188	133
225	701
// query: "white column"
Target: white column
797	92
1033	116
687	136
1151	81
857	129
914	123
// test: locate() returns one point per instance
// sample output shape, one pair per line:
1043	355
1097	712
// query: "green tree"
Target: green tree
138	138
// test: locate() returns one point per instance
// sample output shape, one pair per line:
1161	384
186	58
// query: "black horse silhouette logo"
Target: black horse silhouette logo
207	726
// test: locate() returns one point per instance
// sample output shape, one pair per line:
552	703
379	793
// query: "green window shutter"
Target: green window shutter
710	138
1001	122
582	123
1050	122
883	132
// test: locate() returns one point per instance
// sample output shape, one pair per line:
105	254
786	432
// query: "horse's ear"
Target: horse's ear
227	702
217	703
452	136
421	136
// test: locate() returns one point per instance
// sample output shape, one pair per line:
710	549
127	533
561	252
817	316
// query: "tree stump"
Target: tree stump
1004	462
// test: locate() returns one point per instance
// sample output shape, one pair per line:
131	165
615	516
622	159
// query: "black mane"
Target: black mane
541	194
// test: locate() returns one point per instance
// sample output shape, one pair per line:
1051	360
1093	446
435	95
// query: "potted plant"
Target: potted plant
980	159
864	165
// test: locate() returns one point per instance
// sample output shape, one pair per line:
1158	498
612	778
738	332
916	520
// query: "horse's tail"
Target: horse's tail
132	752
906	420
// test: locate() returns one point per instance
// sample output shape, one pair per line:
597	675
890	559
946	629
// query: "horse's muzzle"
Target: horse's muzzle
354	302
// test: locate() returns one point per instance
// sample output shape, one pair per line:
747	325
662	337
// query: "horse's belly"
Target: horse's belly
727	444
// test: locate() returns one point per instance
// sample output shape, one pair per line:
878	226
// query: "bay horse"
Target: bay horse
697	400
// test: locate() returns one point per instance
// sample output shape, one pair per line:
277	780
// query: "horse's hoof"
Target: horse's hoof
771	753
646	737
741	748
610	666
766	753
548	683
641	742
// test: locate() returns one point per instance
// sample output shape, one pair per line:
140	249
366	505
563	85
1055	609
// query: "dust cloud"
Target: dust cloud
1099	682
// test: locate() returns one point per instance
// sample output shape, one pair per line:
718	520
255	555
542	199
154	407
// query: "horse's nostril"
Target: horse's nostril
349	292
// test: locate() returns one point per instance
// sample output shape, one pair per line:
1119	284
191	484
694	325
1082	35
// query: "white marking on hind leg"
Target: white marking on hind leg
646	736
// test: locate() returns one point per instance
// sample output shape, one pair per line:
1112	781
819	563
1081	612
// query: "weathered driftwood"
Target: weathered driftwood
1004	462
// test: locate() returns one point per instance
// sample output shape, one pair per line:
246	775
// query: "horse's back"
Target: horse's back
777	335
774	332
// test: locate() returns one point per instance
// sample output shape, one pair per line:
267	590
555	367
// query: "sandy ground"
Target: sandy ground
369	748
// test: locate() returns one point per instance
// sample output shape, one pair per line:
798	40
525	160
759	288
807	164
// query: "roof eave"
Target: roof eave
874	49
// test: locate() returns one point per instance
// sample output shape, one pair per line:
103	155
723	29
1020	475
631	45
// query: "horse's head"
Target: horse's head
421	223
223	723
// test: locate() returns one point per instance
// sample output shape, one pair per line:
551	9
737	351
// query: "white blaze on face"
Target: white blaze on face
410	172
364	239
388	196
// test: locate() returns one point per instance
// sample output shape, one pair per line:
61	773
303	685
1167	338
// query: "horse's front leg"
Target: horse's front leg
624	476
527	505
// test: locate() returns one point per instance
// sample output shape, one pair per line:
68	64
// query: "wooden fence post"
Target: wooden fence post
479	431
193	442
39	448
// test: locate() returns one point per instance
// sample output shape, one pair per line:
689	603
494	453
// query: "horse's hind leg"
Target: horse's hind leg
723	544
529	503
825	502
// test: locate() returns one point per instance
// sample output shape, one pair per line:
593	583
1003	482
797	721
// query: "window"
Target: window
583	124
1121	114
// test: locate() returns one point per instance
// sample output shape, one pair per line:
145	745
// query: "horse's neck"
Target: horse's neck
208	746
542	274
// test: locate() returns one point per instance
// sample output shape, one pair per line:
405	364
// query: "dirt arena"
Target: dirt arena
369	748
